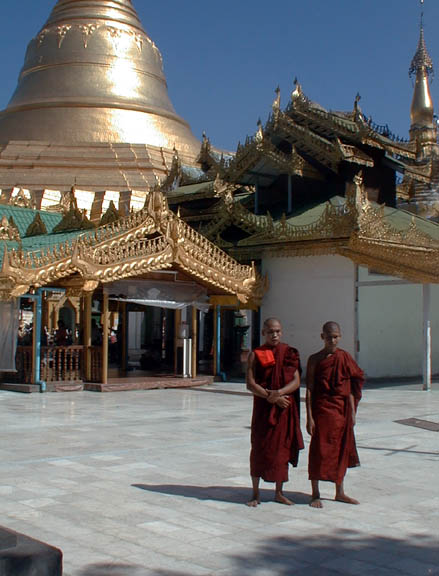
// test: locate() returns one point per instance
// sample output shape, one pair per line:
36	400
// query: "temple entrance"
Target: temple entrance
150	334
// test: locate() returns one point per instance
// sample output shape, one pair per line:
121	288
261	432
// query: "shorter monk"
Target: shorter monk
334	385
273	377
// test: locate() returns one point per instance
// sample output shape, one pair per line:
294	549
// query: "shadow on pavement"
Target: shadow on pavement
321	555
110	569
230	494
347	553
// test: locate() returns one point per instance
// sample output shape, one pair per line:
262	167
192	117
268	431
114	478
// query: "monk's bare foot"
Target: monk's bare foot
346	499
315	502
254	501
281	499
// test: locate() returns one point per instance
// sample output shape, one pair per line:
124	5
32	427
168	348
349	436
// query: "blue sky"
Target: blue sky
223	60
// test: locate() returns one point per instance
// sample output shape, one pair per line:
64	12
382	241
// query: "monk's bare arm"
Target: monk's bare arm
291	386
310	372
255	388
279	397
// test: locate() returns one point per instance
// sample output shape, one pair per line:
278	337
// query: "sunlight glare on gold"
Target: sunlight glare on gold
124	78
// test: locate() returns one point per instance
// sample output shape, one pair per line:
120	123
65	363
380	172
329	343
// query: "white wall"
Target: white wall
305	293
390	327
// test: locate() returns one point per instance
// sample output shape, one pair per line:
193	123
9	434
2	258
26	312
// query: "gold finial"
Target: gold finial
421	60
297	92
260	132
276	101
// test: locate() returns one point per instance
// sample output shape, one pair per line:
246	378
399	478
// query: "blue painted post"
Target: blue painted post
37	340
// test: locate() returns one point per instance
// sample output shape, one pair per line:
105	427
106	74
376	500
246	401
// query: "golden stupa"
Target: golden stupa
91	107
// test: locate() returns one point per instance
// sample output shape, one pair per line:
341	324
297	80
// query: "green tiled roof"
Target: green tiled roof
23	217
315	213
190	190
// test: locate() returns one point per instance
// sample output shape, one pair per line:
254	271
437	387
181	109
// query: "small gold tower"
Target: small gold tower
423	128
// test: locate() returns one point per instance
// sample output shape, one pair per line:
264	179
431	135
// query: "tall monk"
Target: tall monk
273	377
333	390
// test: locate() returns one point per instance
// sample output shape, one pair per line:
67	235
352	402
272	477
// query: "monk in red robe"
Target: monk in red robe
273	377
334	384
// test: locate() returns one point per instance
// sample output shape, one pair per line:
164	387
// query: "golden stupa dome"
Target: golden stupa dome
93	75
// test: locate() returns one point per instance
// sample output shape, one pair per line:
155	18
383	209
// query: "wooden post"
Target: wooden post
194	341
87	334
104	338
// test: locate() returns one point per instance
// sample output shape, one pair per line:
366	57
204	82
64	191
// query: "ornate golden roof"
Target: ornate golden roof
146	241
92	74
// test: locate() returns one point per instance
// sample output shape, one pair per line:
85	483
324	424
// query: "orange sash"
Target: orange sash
265	357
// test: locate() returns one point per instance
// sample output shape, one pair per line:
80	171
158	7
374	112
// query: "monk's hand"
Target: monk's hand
354	418
273	396
310	426
282	402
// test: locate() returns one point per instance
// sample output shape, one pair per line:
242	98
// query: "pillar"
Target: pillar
87	334
177	323
194	341
104	338
426	298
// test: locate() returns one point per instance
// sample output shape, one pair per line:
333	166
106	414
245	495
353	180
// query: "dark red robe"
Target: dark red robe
333	447
275	432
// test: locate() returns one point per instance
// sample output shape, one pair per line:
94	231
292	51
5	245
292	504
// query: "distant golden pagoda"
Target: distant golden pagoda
91	107
422	129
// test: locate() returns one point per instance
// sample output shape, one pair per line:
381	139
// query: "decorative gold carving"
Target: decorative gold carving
73	218
151	239
62	33
36	227
111	215
87	30
8	229
22	198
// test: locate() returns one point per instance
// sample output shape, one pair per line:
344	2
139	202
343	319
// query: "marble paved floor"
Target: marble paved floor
152	483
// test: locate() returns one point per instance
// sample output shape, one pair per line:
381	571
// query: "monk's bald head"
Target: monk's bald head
331	335
272	331
269	321
329	327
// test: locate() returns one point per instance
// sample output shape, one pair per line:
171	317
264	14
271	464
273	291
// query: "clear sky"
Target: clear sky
223	60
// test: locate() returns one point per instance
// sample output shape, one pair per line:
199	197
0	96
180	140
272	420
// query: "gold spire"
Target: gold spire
93	75
422	68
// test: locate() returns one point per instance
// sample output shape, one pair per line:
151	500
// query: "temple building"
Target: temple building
340	214
98	275
113	214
